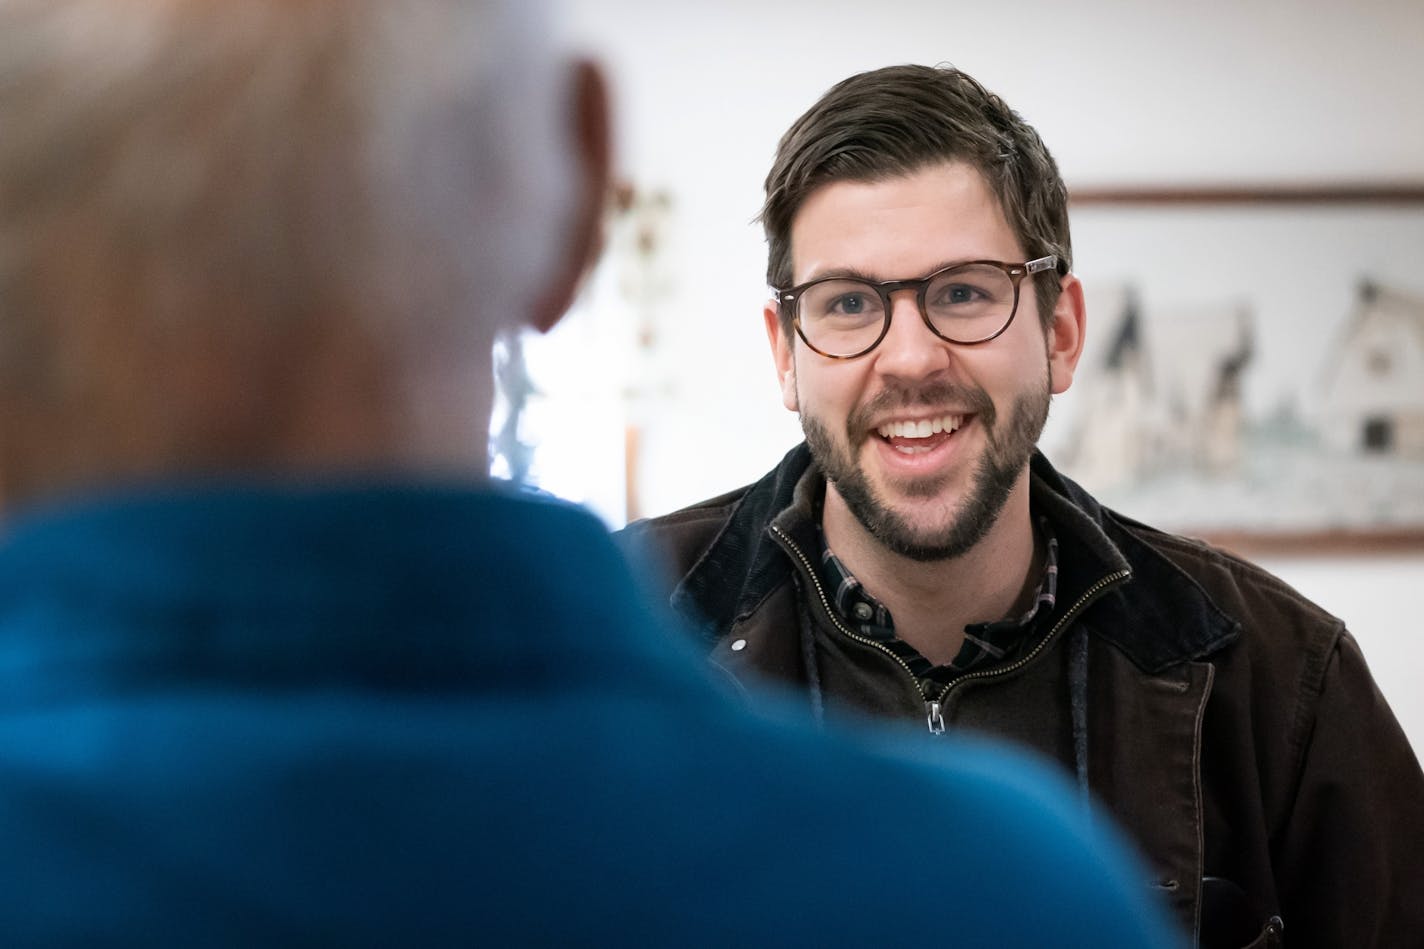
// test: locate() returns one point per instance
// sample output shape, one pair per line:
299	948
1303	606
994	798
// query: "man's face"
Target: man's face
925	494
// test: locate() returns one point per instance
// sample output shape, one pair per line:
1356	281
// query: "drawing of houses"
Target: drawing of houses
1373	385
1164	395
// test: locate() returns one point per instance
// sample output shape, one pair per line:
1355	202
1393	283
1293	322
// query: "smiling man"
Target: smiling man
924	448
916	559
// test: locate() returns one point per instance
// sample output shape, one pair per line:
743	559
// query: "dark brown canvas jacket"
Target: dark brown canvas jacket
1231	726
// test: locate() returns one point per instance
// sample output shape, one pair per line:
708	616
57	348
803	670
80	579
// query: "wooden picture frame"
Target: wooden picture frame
1254	372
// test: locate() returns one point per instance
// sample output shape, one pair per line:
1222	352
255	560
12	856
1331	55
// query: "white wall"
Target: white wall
1122	91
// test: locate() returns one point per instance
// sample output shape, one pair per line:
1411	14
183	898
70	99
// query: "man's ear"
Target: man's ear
1066	333
781	341
591	137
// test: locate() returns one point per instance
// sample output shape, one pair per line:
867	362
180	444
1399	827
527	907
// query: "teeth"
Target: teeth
922	428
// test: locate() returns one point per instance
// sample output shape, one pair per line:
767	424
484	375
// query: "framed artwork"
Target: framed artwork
1254	371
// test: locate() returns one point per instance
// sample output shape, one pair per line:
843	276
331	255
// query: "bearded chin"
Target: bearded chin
995	475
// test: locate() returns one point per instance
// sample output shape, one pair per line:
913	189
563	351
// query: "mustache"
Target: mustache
937	395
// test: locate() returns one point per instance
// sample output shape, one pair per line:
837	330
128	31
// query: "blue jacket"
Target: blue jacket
422	715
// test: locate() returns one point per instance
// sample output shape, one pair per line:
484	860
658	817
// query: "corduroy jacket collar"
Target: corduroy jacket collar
1159	618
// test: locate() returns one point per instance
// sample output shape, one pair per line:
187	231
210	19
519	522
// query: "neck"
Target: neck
933	601
305	405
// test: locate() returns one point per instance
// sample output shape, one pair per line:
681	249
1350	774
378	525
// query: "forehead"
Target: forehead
899	227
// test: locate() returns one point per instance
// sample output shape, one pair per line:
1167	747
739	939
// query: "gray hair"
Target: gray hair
399	161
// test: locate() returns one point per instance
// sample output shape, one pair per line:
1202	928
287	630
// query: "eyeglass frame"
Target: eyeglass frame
1015	272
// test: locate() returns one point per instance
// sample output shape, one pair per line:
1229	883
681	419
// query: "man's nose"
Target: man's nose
909	350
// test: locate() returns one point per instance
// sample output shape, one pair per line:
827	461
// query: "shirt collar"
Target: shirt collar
984	642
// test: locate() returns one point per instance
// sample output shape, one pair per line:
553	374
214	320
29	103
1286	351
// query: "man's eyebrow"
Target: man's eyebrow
840	273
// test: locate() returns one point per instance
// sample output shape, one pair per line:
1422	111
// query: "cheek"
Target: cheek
806	386
827	391
1014	368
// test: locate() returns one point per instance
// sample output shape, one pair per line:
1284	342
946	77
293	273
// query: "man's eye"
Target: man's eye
959	293
850	303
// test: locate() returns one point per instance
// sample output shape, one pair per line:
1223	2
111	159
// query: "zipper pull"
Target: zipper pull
934	718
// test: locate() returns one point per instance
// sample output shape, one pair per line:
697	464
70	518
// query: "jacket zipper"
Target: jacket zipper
826	605
934	708
1082	603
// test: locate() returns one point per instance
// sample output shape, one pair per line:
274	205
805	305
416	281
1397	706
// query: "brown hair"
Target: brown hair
897	120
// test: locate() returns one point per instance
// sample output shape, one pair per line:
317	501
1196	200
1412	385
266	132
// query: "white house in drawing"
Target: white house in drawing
1373	383
1163	395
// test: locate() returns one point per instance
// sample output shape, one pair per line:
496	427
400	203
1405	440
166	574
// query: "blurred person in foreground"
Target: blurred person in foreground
279	665
917	559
